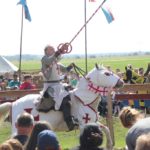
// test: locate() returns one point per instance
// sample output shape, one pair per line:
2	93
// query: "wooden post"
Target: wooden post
109	118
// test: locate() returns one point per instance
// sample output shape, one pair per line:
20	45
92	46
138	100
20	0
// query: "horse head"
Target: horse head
100	76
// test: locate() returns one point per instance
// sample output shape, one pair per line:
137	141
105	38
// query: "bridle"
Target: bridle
91	86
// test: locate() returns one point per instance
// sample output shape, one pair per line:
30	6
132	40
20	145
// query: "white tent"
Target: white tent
6	66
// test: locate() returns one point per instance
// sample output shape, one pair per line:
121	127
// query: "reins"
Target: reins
78	70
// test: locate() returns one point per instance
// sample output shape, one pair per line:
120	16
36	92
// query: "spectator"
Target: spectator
47	140
147	80
92	137
116	103
136	123
143	142
24	127
15	144
102	107
136	70
141	71
38	127
14	84
5	146
133	76
3	83
147	70
141	77
74	79
27	84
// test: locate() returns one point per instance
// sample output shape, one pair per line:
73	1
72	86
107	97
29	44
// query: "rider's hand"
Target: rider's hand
64	47
57	53
70	67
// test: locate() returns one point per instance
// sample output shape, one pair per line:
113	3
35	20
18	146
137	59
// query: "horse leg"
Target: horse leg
66	109
4	109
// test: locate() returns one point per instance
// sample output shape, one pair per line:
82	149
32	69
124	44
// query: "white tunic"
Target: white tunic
52	72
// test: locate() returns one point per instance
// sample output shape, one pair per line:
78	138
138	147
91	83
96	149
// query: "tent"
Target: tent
6	66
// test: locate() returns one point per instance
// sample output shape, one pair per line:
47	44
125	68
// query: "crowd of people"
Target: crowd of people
14	83
130	76
137	137
40	135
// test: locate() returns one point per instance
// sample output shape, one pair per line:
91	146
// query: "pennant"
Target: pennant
26	10
109	16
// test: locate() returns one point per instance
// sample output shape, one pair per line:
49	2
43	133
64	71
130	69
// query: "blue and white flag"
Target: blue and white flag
109	16
26	10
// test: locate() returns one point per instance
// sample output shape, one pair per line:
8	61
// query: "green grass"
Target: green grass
5	131
113	61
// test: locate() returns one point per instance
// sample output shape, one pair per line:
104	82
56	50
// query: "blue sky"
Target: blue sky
57	21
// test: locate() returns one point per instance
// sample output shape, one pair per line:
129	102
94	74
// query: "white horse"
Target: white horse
85	99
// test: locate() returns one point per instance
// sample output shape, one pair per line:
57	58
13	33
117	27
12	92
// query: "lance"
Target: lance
68	45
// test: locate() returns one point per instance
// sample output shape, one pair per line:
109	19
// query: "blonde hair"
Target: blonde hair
129	116
16	145
143	142
5	146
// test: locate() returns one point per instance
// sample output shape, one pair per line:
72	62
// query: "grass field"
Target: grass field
113	61
70	139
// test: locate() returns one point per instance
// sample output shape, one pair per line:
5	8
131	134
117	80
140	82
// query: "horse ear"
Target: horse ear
96	65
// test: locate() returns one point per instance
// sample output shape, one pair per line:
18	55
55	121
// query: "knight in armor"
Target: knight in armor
52	69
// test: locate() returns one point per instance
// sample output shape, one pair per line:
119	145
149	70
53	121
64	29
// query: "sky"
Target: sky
57	21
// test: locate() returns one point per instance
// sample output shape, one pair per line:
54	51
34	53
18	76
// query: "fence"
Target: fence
12	95
132	92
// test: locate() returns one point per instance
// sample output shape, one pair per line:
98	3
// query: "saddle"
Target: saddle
45	104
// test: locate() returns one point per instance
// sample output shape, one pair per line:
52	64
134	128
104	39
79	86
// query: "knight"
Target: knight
53	87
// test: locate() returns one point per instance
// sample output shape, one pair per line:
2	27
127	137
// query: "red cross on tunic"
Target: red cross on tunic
28	110
86	118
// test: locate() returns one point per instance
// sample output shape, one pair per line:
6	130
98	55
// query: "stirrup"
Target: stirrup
72	123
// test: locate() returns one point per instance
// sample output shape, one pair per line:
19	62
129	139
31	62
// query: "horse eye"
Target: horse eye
107	73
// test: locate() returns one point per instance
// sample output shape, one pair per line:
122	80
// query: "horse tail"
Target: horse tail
5	109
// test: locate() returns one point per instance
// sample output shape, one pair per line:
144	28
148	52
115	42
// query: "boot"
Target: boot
66	109
71	123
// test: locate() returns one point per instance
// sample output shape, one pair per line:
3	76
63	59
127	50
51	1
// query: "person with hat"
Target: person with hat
47	140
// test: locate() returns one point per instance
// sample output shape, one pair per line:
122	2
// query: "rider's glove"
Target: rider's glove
57	53
70	67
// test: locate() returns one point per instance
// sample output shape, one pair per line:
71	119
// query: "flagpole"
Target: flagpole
21	35
85	8
86	22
